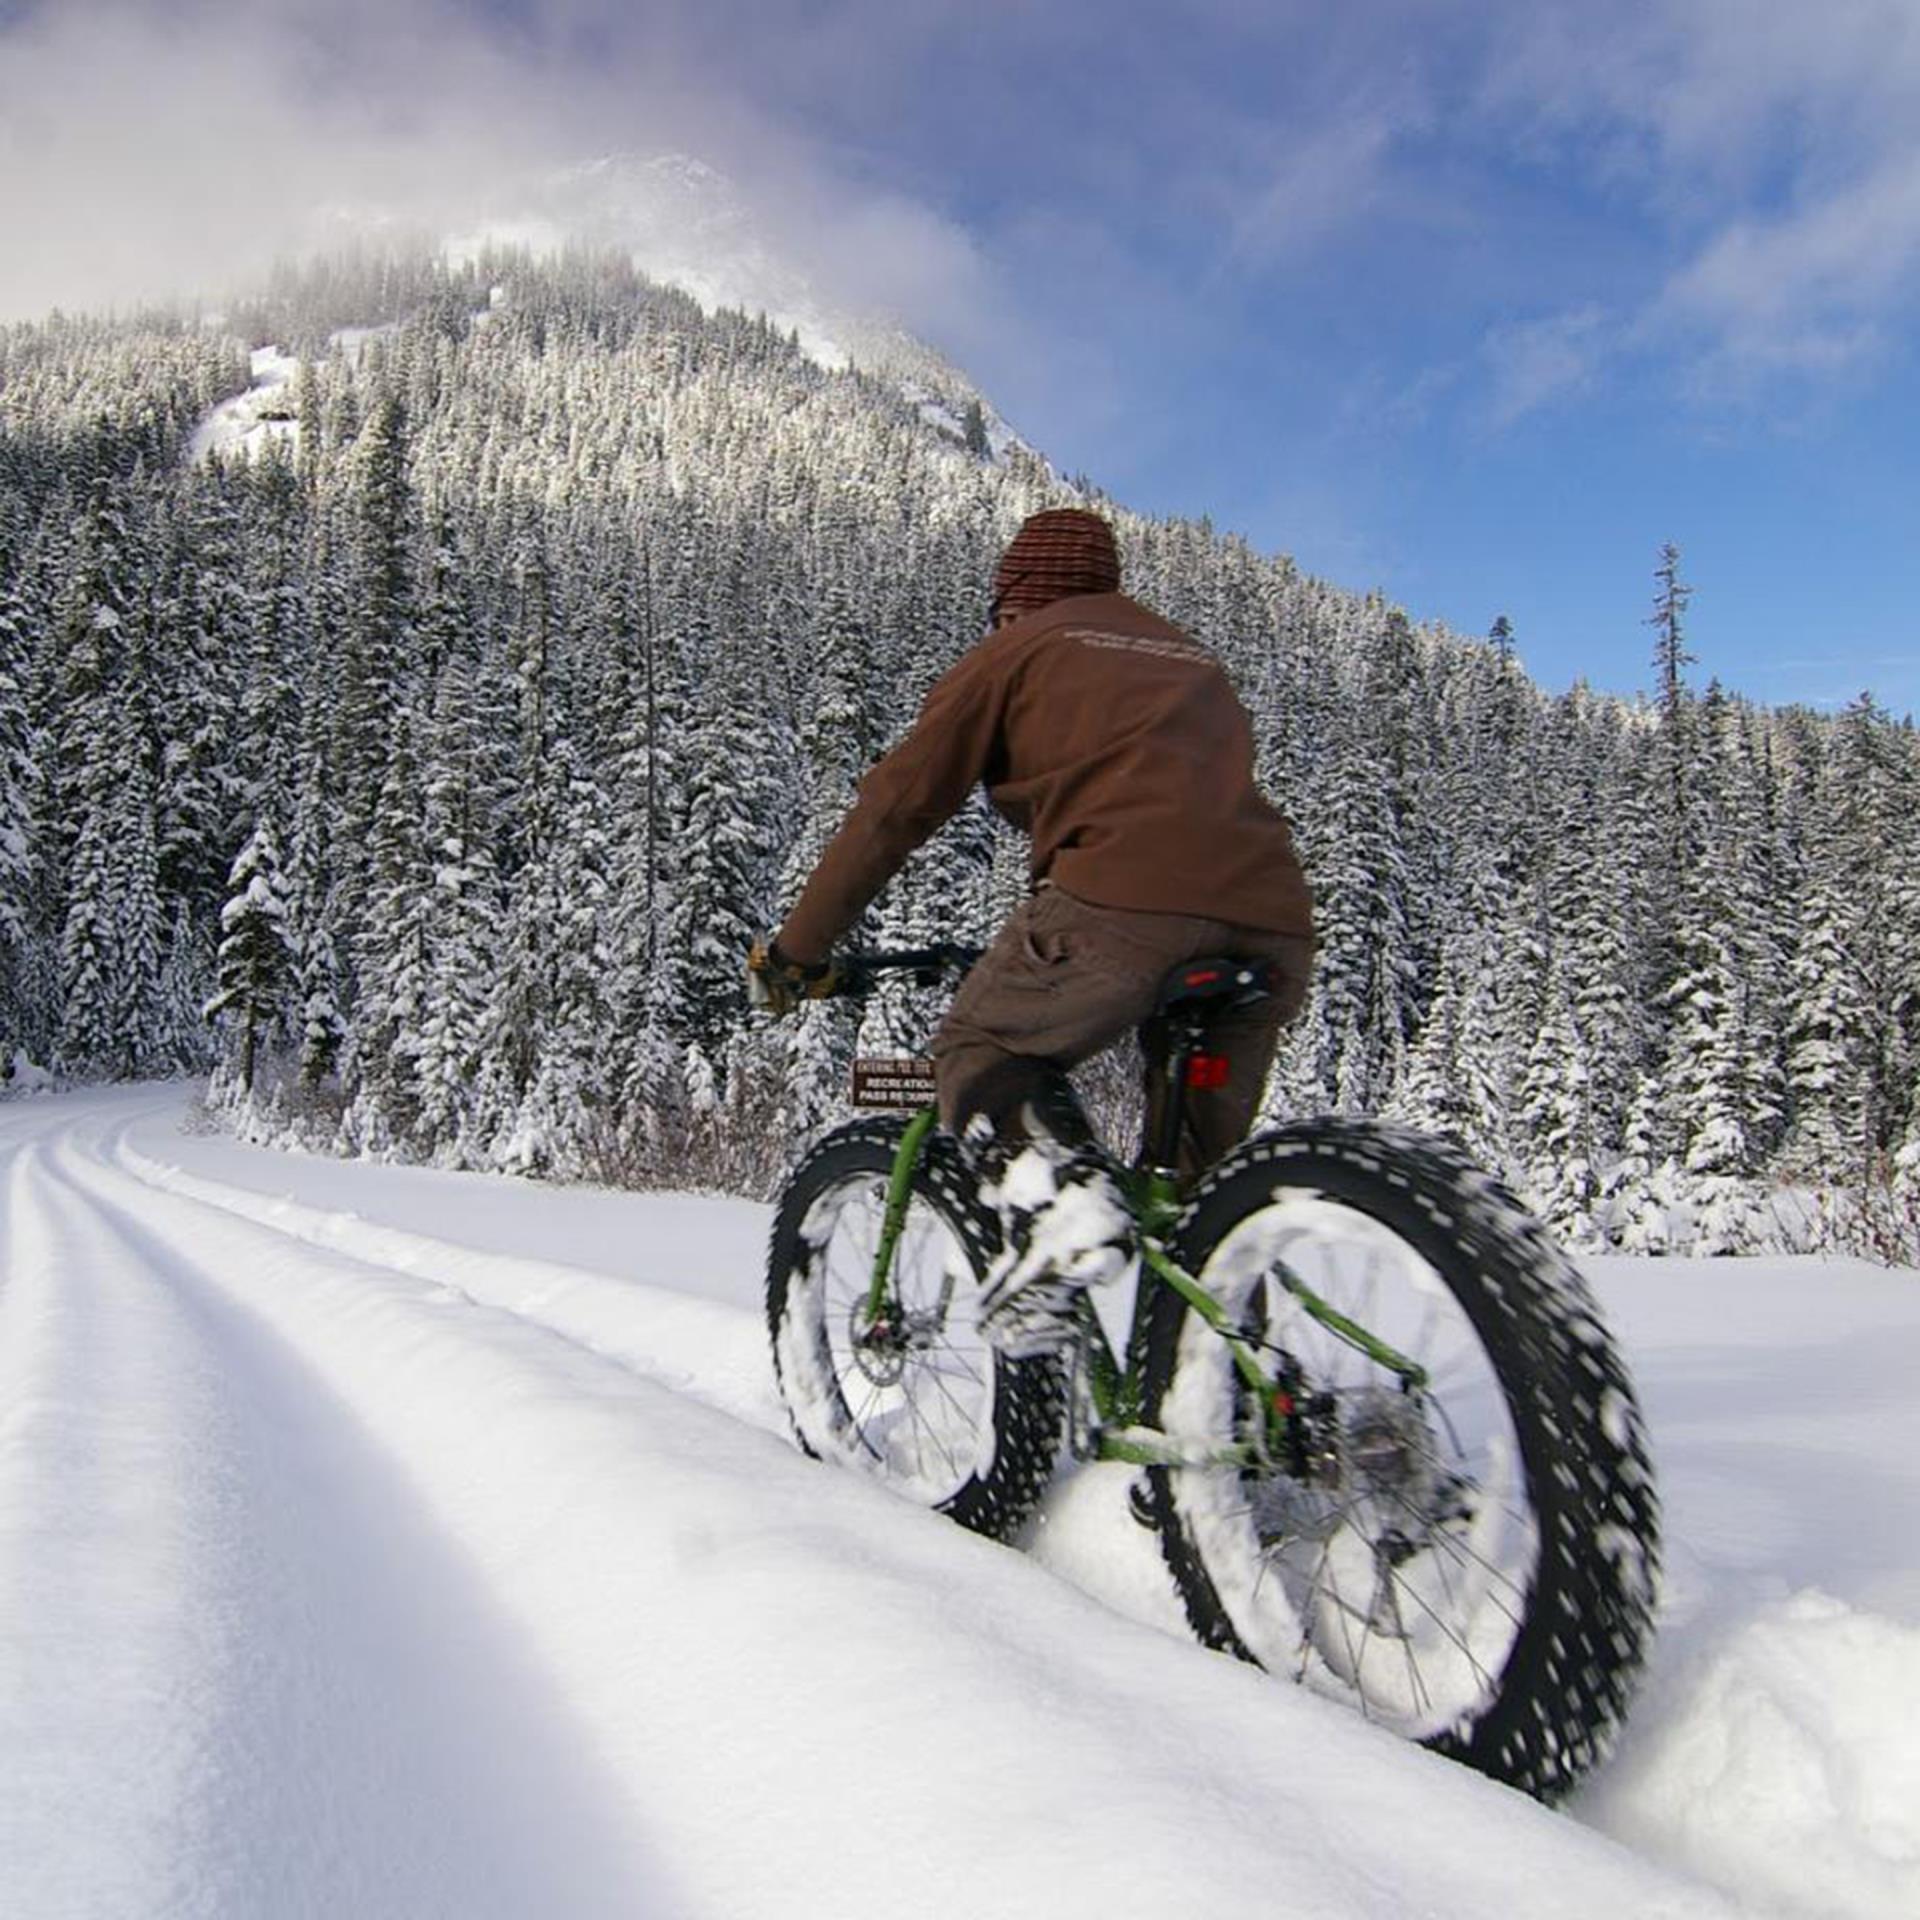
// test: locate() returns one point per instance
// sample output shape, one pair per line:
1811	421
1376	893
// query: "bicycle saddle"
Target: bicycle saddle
1237	982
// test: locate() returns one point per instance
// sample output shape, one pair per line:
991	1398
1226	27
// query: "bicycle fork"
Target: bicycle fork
906	1162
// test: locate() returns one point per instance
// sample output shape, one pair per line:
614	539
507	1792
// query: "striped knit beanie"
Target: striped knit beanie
1064	551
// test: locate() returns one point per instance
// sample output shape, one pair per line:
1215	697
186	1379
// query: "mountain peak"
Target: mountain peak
687	223
682	221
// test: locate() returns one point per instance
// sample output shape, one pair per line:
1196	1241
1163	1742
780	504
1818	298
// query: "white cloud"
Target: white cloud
157	150
1776	149
144	154
1050	191
1323	184
1808	288
1534	362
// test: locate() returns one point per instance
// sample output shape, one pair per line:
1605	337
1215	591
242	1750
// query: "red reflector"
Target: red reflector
1207	1070
1205	979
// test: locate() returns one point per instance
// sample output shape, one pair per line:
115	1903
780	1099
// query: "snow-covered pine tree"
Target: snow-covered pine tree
463	933
564	1118
1556	1104
1357	864
391	957
142	1024
1672	765
16	827
87	1043
253	966
1829	1037
312	907
1455	1079
726	841
271	617
372	517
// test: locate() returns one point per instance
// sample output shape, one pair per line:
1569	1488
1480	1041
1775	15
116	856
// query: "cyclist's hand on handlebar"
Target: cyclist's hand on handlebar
778	985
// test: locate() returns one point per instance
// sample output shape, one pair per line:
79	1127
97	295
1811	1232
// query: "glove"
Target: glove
778	985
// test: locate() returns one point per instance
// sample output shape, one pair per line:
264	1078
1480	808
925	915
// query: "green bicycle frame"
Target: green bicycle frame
1154	1198
899	1192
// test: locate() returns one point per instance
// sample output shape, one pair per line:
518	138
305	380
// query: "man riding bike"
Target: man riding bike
1117	743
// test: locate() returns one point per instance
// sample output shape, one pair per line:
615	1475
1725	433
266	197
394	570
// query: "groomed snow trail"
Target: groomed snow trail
347	1569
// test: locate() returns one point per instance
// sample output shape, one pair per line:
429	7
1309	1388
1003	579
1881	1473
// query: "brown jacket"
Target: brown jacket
1111	738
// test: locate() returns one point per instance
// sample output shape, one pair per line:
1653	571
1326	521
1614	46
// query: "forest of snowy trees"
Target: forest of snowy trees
427	767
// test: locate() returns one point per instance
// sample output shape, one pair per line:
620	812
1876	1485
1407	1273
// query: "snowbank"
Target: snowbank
388	1541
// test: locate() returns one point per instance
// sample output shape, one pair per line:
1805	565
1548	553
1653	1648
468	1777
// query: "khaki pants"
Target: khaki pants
1064	978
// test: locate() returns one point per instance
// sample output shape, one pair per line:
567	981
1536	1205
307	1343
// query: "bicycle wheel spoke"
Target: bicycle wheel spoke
859	1421
946	1393
1466	1557
960	1372
902	1388
1480	1673
1453	1604
1420	1694
920	1420
1344	1616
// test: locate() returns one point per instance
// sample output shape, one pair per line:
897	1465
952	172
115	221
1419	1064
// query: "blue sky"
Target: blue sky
1473	303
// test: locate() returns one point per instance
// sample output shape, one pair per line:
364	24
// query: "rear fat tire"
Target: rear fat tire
961	1429
1546	1712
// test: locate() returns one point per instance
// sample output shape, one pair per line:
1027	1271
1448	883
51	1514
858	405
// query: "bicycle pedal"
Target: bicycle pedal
1139	1507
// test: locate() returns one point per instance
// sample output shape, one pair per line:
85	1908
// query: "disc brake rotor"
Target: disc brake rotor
880	1346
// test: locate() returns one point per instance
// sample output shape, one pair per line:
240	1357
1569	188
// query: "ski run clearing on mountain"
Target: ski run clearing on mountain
390	1543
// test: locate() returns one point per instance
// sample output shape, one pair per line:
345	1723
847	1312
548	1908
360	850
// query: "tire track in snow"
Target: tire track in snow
813	1699
86	1456
711	1352
251	1666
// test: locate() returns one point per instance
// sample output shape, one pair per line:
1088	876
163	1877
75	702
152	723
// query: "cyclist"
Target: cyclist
1117	743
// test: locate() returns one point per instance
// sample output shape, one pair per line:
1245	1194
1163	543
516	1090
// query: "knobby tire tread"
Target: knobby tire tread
1571	1670
1029	1400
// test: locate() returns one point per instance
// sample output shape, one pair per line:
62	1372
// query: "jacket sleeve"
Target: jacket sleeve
903	801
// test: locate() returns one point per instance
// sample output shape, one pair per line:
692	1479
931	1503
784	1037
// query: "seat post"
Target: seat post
1170	1110
1189	998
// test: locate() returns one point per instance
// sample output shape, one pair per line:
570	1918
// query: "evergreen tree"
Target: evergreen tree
89	957
1829	1063
253	964
1454	1083
311	910
611	600
721	857
1670	656
16	828
142	1024
1675	753
1359	873
374	530
562	1122
463	945
383	1031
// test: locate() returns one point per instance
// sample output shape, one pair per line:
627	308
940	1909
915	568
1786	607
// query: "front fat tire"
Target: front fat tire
961	1428
1545	1713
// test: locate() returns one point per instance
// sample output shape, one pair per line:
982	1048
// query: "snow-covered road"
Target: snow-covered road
378	1542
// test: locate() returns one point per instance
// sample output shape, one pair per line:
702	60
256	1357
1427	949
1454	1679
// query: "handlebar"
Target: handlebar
860	972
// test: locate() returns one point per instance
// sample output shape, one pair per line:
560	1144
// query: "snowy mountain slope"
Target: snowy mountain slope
660	511
685	223
358	1554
